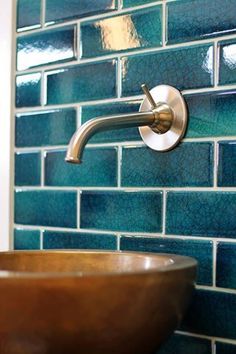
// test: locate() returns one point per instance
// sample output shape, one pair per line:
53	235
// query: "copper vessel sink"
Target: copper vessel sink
91	302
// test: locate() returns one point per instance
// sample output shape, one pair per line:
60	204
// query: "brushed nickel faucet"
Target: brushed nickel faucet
162	121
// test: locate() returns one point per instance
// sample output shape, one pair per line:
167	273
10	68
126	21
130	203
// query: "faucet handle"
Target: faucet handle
149	96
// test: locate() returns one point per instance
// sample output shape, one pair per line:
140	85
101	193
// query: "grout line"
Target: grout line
215	167
43	13
164	24
41	240
78	46
213	346
203	336
43	89
78	208
129	189
43	153
216	288
118	241
214	259
215	65
120	5
164	213
119	165
119	78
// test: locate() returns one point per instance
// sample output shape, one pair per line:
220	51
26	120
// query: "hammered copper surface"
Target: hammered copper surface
89	302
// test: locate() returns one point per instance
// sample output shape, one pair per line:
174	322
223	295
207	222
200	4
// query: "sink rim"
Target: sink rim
177	262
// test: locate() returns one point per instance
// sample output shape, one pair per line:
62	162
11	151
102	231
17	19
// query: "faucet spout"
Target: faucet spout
93	126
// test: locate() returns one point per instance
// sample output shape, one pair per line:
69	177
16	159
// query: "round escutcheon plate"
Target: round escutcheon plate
173	98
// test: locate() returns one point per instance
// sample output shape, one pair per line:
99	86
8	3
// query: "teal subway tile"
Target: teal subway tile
212	313
226	265
26	239
46	208
137	30
121	211
65	10
183	68
99	169
82	83
185	344
28	169
225	348
201	213
53	127
28	14
227	164
78	240
211	114
48	47
28	90
189	164
201	250
190	20
127	134
130	3
227	66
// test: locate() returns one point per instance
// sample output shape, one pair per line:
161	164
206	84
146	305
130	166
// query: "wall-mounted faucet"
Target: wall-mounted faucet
162	121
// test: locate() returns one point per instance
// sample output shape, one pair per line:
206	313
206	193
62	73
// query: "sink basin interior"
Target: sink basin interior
87	262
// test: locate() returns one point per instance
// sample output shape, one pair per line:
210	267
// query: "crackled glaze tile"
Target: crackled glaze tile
105	210
211	114
189	164
136	30
180	344
28	14
28	169
201	250
28	90
201	213
99	169
80	83
190	20
26	239
46	48
46	208
227	164
211	313
183	68
52	127
226	265
227	67
78	240
61	10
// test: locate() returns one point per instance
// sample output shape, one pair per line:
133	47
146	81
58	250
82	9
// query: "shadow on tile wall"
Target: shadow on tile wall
82	59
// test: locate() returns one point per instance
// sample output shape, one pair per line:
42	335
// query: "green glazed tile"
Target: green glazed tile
46	48
28	169
26	239
80	83
65	10
105	210
28	14
78	240
189	164
137	30
184	68
190	20
201	213
28	90
53	127
99	168
185	344
227	67
46	208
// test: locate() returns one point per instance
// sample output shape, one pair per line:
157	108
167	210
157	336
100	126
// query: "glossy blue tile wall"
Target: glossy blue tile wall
81	59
